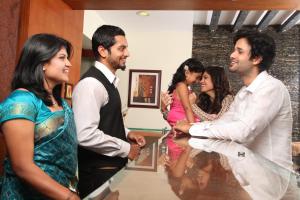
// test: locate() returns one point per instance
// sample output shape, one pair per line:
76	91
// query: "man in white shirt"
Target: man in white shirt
104	143
260	116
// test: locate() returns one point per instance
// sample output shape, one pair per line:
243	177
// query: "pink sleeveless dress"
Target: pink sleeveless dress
176	113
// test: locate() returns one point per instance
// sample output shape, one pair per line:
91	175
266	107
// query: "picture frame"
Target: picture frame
147	160
68	91
144	88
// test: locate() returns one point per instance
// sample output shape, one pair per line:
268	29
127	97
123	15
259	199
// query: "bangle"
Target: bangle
69	195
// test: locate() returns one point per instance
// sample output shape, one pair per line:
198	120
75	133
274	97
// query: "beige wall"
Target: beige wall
153	44
160	50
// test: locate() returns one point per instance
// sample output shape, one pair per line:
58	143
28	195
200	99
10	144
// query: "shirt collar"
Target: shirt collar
107	73
257	81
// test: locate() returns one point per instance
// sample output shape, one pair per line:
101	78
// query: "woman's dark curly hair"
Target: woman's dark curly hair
221	87
193	65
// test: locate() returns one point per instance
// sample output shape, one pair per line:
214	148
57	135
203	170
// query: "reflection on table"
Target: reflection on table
195	169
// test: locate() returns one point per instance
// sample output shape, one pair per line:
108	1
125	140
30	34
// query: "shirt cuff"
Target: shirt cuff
125	148
126	131
199	129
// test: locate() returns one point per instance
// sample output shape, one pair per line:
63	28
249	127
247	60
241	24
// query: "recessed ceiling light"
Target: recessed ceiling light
143	13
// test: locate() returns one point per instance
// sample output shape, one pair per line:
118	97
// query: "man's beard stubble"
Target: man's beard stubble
116	65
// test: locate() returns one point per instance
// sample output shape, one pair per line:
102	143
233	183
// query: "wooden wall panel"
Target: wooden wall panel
58	18
184	4
10	9
74	18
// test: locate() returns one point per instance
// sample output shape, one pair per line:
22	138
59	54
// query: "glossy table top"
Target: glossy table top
199	169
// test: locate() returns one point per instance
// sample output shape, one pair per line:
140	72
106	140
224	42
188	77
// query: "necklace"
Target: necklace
53	100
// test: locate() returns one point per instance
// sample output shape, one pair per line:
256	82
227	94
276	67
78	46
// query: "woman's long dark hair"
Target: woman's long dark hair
193	65
221	87
37	51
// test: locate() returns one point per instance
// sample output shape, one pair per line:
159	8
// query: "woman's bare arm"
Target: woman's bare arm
19	139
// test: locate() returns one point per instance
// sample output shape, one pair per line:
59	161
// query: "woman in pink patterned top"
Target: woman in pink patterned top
215	96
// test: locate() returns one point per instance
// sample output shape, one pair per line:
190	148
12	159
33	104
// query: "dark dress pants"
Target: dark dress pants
91	179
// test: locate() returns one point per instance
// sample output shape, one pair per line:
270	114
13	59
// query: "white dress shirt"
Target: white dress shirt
260	117
89	96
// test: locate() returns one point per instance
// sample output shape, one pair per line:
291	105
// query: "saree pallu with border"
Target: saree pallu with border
55	151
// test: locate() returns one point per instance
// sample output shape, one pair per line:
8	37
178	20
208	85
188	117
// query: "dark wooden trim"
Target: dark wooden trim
214	21
87	53
184	4
264	23
23	25
290	22
240	20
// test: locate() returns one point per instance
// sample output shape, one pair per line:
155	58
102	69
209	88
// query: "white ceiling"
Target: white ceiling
157	20
200	17
161	19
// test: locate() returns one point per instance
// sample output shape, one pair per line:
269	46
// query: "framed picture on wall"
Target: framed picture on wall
68	90
144	88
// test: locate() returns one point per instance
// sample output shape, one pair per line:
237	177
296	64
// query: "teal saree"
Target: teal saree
55	144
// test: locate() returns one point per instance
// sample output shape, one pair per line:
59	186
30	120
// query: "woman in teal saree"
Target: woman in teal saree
38	125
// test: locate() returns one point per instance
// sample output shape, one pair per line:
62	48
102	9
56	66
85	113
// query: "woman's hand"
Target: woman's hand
166	100
192	98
